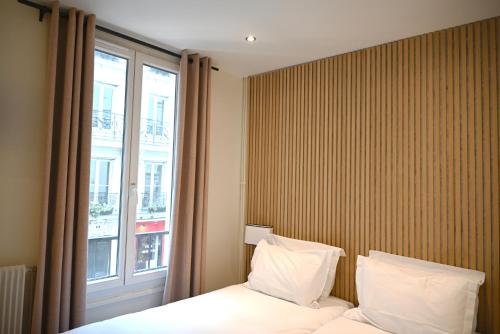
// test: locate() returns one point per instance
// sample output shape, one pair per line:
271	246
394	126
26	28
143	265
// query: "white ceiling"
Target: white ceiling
288	31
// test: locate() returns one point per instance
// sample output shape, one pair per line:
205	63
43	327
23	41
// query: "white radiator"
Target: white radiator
16	295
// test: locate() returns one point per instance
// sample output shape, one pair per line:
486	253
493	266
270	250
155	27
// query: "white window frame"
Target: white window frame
142	59
128	197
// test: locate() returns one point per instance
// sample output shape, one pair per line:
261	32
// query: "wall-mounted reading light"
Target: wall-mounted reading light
255	233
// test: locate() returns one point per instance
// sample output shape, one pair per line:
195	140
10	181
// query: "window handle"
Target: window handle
133	192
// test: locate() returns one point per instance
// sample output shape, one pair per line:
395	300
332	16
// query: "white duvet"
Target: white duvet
342	325
235	309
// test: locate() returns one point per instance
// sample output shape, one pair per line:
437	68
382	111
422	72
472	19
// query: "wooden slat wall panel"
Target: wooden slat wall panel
394	148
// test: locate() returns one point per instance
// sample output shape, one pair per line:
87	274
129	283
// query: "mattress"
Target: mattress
343	325
235	309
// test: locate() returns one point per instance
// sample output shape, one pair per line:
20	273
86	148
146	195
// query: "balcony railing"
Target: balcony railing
153	202
154	132
103	203
103	197
108	125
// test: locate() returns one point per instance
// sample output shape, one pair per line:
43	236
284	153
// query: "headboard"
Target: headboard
393	148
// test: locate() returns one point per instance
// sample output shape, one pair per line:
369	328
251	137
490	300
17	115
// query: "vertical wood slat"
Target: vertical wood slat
394	147
495	151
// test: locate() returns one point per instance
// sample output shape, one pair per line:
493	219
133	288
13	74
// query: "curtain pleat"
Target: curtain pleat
61	273
186	266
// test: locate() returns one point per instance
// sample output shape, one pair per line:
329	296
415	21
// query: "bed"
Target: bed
288	291
344	324
234	309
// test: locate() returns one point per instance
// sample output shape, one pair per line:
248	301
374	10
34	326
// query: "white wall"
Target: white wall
23	58
224	233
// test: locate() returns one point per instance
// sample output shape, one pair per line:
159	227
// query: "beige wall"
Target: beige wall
22	137
224	237
23	43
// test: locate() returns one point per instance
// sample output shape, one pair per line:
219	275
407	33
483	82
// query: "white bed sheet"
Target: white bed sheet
342	325
235	309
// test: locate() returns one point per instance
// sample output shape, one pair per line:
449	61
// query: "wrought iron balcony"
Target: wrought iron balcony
109	126
153	202
103	203
154	132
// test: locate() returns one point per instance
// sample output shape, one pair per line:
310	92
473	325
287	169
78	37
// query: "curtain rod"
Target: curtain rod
45	10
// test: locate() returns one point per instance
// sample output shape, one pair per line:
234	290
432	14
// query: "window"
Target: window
102	104
154	195
99	182
155	121
131	170
103	235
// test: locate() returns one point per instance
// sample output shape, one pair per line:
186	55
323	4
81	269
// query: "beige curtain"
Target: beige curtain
187	257
61	273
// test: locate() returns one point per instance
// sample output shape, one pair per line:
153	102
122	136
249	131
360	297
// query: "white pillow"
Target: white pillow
399	260
355	314
469	274
411	299
298	277
301	245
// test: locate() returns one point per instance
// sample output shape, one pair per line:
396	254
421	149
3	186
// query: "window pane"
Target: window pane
159	116
96	98
110	78
155	168
92	174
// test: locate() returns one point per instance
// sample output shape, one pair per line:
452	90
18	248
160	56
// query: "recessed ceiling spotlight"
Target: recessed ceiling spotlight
250	38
